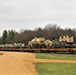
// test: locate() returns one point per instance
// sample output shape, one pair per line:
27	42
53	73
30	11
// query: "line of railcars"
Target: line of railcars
41	45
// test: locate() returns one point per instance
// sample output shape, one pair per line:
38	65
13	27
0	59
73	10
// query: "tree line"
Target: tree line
50	31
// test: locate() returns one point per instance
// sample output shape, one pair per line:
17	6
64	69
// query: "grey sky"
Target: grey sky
30	14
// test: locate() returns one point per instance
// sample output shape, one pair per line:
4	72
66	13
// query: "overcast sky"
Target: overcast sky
30	14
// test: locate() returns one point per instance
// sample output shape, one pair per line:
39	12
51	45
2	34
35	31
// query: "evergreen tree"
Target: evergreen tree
4	36
11	36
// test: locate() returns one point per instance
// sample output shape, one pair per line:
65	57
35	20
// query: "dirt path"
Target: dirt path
13	63
21	63
34	60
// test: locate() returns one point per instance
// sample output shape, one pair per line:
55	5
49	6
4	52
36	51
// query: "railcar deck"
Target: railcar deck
71	50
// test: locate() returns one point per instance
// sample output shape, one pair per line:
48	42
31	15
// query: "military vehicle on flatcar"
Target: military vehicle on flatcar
64	43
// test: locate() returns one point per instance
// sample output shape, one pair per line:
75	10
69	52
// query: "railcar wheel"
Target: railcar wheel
71	52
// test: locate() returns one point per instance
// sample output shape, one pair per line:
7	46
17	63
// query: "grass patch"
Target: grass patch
55	69
56	56
1	53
